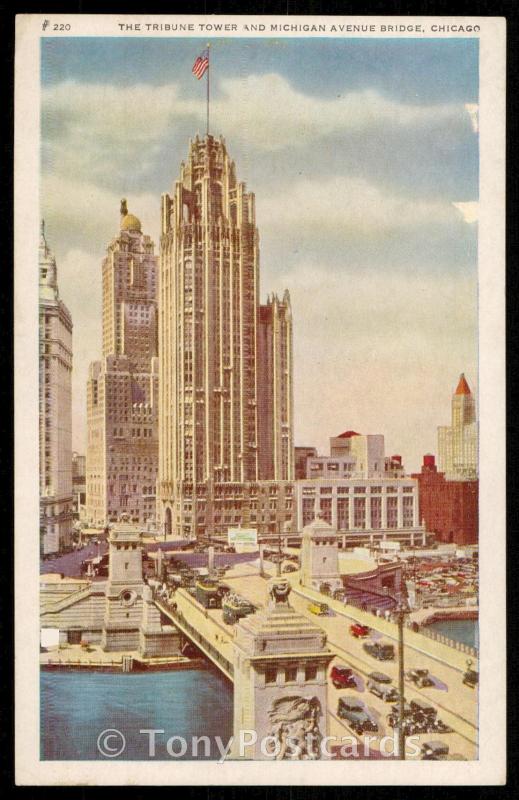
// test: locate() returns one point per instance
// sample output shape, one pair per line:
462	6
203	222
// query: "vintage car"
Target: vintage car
420	706
434	751
360	631
353	711
471	678
394	714
342	677
420	677
380	685
380	650
320	609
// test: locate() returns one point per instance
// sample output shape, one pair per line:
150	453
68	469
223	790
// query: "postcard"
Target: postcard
260	393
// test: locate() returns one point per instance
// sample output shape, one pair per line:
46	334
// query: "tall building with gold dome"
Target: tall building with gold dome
122	389
225	360
55	386
458	442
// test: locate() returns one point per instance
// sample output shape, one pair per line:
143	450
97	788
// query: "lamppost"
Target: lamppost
279	558
401	611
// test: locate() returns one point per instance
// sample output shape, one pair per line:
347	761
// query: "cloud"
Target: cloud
469	210
363	336
274	115
97	129
348	205
83	212
473	112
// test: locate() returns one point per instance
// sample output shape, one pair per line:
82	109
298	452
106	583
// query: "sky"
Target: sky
363	156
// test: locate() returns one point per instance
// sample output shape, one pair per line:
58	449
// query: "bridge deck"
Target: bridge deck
456	704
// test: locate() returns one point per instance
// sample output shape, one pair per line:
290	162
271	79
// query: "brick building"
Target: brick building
448	507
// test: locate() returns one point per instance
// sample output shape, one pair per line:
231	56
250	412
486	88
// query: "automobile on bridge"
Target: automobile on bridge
319	609
353	711
380	685
420	677
360	631
342	677
380	650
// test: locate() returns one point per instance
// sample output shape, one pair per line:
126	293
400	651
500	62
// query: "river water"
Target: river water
77	707
461	630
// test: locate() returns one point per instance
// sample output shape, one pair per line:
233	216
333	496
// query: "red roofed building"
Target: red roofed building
448	507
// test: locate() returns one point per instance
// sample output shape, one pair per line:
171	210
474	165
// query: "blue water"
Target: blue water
77	706
461	630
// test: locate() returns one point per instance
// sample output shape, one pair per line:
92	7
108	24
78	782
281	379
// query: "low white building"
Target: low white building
358	505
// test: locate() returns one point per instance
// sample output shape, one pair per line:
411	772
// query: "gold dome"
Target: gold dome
130	223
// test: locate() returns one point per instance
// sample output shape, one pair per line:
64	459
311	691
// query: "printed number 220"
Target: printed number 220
61	26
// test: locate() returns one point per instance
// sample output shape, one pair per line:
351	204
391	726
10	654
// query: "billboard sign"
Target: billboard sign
238	536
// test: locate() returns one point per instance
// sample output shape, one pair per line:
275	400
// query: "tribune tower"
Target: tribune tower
210	424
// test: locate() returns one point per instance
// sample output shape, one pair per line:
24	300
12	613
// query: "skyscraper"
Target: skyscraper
215	440
122	407
275	391
458	442
55	390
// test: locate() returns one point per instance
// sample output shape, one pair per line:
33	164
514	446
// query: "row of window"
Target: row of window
289	674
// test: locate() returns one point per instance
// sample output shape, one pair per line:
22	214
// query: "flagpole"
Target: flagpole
208	72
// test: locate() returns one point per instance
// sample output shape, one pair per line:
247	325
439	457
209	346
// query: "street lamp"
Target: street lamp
401	611
280	558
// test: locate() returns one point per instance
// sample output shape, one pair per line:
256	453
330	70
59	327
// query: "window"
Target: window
290	674
376	512
326	510
310	672
343	520
392	512
359	513
271	674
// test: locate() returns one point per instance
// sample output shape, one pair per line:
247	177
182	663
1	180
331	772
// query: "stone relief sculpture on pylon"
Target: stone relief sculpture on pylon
295	728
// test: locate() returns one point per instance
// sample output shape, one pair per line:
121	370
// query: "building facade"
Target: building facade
458	442
212	429
355	455
55	396
122	389
448	507
275	390
301	454
78	484
359	505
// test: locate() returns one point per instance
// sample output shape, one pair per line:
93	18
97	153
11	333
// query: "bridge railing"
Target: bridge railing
194	634
440	637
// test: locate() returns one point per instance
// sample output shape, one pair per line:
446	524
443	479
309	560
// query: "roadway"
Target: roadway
456	703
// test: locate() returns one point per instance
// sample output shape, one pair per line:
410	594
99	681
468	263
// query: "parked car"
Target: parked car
420	677
380	685
359	631
471	678
320	609
423	707
394	715
353	711
342	677
379	650
289	568
434	751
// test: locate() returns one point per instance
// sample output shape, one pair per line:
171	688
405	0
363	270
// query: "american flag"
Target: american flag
201	64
